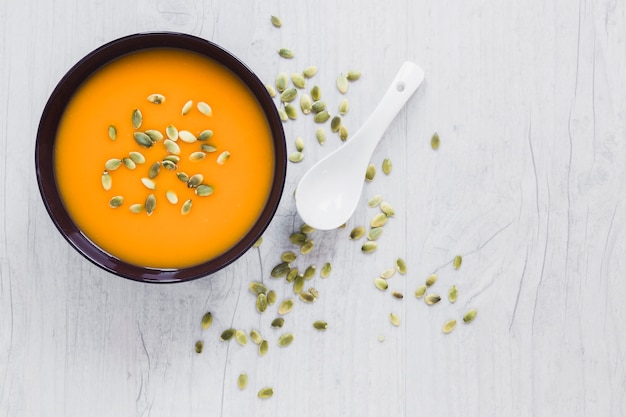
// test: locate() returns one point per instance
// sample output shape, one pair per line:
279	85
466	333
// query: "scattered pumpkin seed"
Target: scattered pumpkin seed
309	71
171	146
276	21
432	299
430	280
315	293
320	135
171	196
387	209
286	306
271	297
307	297
182	176
370	172
298	80
292	274
316	93
257	287
205	135
112	164
469	316
136	118
241	337
380	283
150	204
199	346
263	347
321	117
280	270
255	336
186	136
343	133
171	132
203	190
223	157
435	141
388	273
298	238
318	106
397	294
291	111
342	84
285	339
207	320
261	303
307	247
136	208
116	201
452	294
379	220
208	148
309	272
282	79
344	106
369	247
286	53
129	163
449	326
278	322
420	291
270	90
288	95
169	165
335	124
394	319
357	232
195	180
306	103
298	284
148	183
204	108
172	158
387	166
156	98
186	207
288	256
375	201
107	181
154	135
112	132
374	233
320	325
197	156
242	381
458	260
353	75
266	392
186	107
306	229
137	157
143	139
227	334
401	266
326	270
296	157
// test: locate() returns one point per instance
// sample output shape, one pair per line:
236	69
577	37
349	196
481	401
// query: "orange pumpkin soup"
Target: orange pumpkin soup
173	234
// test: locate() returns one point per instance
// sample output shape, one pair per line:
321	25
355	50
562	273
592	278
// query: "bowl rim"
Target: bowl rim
46	137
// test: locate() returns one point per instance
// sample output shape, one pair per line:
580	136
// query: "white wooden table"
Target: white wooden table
529	100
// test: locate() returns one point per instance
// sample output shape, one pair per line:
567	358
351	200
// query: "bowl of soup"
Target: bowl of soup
160	157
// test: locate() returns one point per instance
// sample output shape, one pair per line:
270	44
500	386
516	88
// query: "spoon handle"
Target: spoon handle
406	82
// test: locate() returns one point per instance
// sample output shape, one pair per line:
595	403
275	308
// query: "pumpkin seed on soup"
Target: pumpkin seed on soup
112	132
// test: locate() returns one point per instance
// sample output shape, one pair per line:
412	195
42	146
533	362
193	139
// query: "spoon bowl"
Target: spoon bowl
329	192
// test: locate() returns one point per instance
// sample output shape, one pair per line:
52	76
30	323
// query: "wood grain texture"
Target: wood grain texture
527	186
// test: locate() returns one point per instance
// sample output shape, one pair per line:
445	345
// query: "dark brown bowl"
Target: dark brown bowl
45	148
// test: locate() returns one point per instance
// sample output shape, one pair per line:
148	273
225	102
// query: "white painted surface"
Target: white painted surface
530	103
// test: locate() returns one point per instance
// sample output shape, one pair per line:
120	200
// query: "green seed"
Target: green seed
449	326
318	106
186	136
291	111
154	135
401	266
321	117
374	233
288	256
387	209
172	158
375	201
143	139
369	247
380	283
271	298
458	260
129	163
353	75
266	392
335	123
208	148
387	166
285	339
112	164
307	247
270	90
296	157
343	133
289	95
344	106
169	165
306	103
116	201
286	306
298	80
203	190
223	157
136	208
309	71
257	287
204	108
420	291
286	53
263	347
320	325
107	181
283	115
370	172
148	183
309	272
136	118
298	284
379	220
306	229
227	334
195	180
282	79
434	141
171	146
357	232
199	346
171	132
432	299
112	132
205	135
469	316
150	204
452	294
186	107
242	381
298	238
342	84
255	336
394	319
316	93
156	98
207	320
307	297
326	270
241	337
320	135
278	322
261	303
171	197
280	270
137	157
186	207
388	273
183	176
197	156
430	280
276	21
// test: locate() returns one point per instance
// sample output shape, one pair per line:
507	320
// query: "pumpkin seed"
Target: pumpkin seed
318	106
298	238
316	93
292	275
353	75
344	106
186	207
171	132
197	156
242	381
271	298
387	209
307	247
320	325
320	135
107	181
298	80
156	98
449	326
394	319
112	164
171	196
186	136
263	347
280	270
129	163
143	139
306	229
112	132
374	233
286	53
270	90
169	165
207	320
343	133
148	183
286	306
261	303
326	270
307	297
255	336
116	201
375	201
306	103
195	180
388	273
285	339
150	204
266	392
379	220
136	118
173	158
469	316
291	111
309	71
204	108
257	287
137	157
420	291
432	299
208	148
227	334
298	284
171	146
281	81
369	247
288	256
335	124
370	172
321	117
278	322
380	283
136	208
296	157
154	135
199	346
397	294
182	176
342	84
187	107
458	260
430	280
203	190
309	272
435	141
452	294
276	21
288	95
223	157
387	166
241	337
205	135
401	266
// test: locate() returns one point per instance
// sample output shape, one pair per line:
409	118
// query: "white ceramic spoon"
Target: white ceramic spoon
329	192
